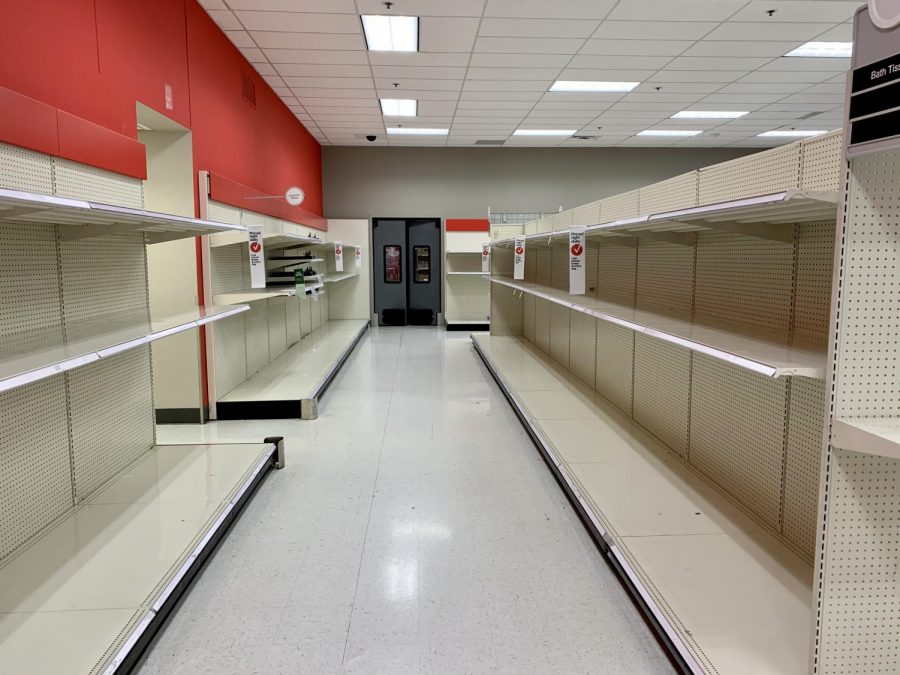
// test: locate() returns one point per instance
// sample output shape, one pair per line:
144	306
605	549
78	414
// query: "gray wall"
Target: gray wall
463	182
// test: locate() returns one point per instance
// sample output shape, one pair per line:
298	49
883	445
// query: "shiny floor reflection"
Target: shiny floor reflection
415	530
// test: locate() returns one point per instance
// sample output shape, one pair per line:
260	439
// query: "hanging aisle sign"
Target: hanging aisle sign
358	257
519	260
486	258
338	257
257	258
576	261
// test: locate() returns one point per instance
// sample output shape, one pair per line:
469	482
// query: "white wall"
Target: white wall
464	182
350	299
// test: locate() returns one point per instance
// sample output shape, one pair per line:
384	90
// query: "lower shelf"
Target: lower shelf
468	324
725	594
87	596
291	385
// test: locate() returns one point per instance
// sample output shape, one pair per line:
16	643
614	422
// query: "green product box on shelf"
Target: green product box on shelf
298	280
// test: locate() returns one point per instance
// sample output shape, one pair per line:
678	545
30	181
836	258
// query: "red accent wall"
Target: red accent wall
467	225
73	69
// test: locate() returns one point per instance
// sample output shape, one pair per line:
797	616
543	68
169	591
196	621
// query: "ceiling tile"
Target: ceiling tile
264	68
395	73
683	10
333	56
636	47
419	94
442	34
802	63
519	60
324	41
785	76
326	6
212	4
678	87
535	45
542	28
615	75
426	7
240	38
507	85
297	22
322	70
842	33
717	63
488	114
609	62
416	83
744	87
743	100
548	74
224	19
418	59
540	9
332	82
807	11
253	55
697	75
596	102
742	30
434	108
480	95
651	30
302	92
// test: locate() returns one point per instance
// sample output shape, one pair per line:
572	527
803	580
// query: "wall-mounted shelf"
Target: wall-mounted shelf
464	252
875	436
281	262
764	216
83	220
752	353
22	362
469	274
252	294
334	277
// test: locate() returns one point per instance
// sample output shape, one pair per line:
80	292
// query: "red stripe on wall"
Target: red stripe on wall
227	191
89	143
467	225
27	122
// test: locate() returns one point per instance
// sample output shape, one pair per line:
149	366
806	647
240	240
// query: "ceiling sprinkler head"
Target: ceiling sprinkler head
771	12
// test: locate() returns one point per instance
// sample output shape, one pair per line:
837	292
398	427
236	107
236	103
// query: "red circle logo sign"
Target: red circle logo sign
484	253
577	249
519	250
358	253
338	251
255	247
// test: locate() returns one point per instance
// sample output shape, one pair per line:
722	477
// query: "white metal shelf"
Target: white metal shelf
282	262
871	436
752	353
729	595
334	277
765	216
21	362
83	219
252	294
470	274
473	252
100	577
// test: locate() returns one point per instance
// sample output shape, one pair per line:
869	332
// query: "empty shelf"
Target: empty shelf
280	262
472	252
252	294
765	357
38	354
872	436
81	219
470	274
334	277
727	594
290	386
101	579
283	240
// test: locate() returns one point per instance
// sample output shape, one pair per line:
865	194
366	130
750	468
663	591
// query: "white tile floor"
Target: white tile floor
415	529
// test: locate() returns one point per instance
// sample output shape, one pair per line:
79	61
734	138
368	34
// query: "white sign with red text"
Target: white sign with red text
257	258
519	260
338	257
358	257
576	261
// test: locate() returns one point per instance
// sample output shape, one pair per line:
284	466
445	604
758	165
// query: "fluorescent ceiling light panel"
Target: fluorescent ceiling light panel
709	114
589	86
399	107
544	132
411	131
391	33
832	50
791	133
669	132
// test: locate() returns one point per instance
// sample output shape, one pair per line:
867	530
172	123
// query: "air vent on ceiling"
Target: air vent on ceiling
248	88
489	141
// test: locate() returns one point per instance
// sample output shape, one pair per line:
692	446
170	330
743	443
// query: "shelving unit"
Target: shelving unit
33	355
466	291
242	352
101	528
681	399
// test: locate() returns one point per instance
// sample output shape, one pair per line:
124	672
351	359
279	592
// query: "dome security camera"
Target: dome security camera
371	138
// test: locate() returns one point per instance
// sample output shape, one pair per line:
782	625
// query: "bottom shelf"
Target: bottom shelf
291	385
724	593
88	594
468	324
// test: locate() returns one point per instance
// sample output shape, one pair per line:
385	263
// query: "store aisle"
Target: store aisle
414	529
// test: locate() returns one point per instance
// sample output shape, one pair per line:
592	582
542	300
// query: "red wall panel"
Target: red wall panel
92	59
467	225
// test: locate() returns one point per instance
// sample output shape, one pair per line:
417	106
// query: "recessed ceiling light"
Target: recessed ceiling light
391	33
831	50
669	132
709	114
544	132
411	131
791	133
585	85
399	107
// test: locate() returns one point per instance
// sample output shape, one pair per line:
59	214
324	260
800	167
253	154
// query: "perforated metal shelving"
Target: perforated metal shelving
84	219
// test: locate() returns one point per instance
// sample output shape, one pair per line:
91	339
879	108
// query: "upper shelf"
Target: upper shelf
872	436
82	219
479	274
752	353
279	262
38	354
765	216
252	294
333	277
